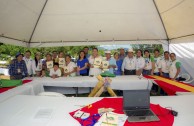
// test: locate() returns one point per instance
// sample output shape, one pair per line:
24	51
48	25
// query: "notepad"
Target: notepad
97	62
49	64
61	62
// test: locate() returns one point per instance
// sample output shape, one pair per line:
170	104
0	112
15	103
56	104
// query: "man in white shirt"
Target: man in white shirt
55	71
140	62
129	64
165	65
29	63
156	64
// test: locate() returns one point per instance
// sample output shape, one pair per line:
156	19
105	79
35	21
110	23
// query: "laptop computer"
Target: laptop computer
136	105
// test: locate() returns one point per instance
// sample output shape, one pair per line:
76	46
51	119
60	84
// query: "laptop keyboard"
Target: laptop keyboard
139	113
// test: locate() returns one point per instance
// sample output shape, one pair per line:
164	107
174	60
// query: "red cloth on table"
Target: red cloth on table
8	88
168	88
5	89
166	119
148	77
26	81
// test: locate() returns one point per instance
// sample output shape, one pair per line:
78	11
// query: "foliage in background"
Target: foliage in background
9	51
149	47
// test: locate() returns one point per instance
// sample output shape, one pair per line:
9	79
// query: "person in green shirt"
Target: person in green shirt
175	67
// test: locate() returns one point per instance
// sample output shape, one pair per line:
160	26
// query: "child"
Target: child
55	71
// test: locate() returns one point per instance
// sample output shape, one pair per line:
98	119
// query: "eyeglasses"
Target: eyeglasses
90	121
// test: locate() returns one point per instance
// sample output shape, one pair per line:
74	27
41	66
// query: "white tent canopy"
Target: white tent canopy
38	23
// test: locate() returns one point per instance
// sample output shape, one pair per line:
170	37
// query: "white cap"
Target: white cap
107	51
130	50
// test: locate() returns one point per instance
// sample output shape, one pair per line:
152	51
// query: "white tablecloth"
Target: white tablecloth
36	85
21	110
30	88
118	83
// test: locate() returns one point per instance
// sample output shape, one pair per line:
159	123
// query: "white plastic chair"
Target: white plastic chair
51	94
188	82
186	76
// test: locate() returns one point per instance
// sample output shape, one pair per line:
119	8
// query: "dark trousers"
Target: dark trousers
129	72
85	74
166	75
146	72
157	74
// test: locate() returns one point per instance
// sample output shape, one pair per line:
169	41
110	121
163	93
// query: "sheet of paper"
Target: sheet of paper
43	113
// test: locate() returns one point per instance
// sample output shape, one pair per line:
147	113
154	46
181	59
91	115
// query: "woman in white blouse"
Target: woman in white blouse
70	67
94	69
37	64
140	62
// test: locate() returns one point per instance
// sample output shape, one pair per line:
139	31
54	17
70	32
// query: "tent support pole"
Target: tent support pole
162	23
37	23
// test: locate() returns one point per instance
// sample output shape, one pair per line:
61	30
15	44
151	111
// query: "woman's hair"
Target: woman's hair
116	53
80	53
140	51
95	49
68	56
36	61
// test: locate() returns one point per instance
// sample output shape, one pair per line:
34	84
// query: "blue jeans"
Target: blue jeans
166	75
146	72
157	74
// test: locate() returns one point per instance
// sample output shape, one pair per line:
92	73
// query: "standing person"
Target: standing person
119	62
175	67
48	58
86	49
122	54
28	62
149	61
129	64
17	68
140	62
37	64
71	67
95	71
165	65
45	70
112	62
156	64
82	64
55	56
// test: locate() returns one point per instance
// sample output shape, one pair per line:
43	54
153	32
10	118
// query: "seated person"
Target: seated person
70	67
17	68
55	71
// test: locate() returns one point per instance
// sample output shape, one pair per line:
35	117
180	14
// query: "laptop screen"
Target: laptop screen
136	99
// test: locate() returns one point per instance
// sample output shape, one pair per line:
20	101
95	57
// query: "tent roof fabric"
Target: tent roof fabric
38	23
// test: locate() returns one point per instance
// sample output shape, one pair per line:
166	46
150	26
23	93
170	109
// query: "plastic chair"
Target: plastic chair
51	94
188	82
186	76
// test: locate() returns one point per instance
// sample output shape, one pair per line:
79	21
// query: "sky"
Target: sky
112	47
